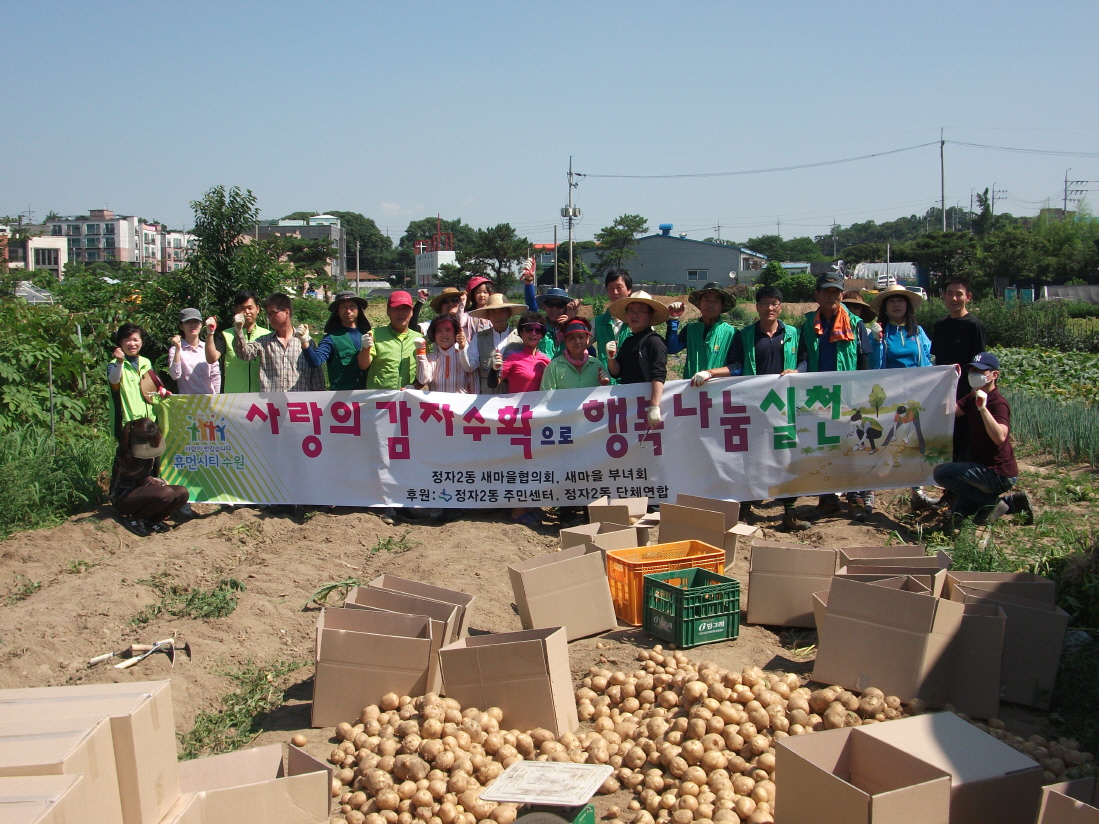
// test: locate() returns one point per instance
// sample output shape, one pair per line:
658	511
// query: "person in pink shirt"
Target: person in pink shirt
187	359
523	370
447	368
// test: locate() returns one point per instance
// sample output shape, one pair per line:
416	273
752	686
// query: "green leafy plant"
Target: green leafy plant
23	588
185	602
76	566
340	588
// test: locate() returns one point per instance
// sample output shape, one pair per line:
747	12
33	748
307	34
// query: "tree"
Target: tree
869	251
772	273
375	248
944	252
769	245
51	216
495	253
616	241
877	398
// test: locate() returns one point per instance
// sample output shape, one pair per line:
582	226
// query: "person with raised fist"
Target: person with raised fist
281	352
347	331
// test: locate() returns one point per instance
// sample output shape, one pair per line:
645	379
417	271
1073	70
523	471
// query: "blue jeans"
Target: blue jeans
975	485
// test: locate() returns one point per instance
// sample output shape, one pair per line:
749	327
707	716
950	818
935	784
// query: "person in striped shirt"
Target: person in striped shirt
448	368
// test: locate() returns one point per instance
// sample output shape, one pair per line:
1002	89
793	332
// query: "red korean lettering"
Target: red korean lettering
349	416
438	412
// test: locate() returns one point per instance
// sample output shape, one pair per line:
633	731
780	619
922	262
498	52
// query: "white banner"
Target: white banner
739	439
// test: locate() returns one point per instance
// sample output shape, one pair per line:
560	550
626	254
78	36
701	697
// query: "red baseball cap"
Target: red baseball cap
400	299
476	281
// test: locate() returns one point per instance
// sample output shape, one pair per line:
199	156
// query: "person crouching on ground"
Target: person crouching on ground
448	367
643	357
980	482
137	492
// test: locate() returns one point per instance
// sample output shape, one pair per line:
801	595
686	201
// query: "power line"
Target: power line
1024	151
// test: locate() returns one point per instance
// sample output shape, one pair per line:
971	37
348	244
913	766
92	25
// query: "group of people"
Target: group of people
475	349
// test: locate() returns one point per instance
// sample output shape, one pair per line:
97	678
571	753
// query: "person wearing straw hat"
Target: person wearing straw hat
606	327
852	299
898	342
498	338
707	340
450	301
643	357
834	339
347	331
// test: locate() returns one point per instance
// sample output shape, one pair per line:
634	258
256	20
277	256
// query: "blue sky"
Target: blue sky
472	110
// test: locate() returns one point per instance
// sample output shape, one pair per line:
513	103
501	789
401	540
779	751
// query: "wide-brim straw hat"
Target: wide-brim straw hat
342	296
727	301
890	291
498	301
448	291
618	308
861	308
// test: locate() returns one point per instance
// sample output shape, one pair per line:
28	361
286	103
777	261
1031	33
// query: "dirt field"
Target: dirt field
47	638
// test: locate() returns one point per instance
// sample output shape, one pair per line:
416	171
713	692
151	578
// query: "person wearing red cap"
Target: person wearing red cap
391	362
575	368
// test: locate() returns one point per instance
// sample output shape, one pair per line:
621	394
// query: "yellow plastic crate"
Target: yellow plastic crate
627	568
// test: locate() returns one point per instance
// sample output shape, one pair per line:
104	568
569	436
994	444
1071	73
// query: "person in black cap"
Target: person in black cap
346	332
137	492
559	309
707	339
980	482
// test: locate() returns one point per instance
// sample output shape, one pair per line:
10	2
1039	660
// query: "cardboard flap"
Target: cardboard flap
785	559
567	588
730	509
940	560
299	762
300	799
600	533
462	600
234	769
388	600
886	603
682	523
848	553
57	799
1017	584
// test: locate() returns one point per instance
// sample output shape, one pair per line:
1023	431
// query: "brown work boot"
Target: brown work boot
791	522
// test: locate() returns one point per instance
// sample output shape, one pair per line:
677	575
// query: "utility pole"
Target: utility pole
571	212
992	200
942	177
555	257
833	238
1074	190
778	226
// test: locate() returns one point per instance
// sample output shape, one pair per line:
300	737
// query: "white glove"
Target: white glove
982	398
238	320
701	378
421	346
676	308
302	334
875	330
368	340
653	416
497	361
612	349
211	325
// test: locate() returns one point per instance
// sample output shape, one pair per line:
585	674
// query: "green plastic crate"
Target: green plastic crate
692	606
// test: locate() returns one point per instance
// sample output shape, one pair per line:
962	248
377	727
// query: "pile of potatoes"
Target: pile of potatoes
692	742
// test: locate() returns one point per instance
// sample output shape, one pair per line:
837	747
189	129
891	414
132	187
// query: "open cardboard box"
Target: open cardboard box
66	746
990	782
847	777
932	579
1070	802
43	799
444	619
632	511
1016	584
847	554
599	537
710	520
462	600
566	589
526	674
782	579
142	730
1033	636
361	655
253	785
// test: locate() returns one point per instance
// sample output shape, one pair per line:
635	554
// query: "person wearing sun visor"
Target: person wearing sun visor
137	492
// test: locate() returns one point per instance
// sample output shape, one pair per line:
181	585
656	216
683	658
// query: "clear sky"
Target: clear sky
472	109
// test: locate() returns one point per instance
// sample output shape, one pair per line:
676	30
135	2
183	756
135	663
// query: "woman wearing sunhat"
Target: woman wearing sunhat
707	339
347	331
899	342
497	337
137	492
643	357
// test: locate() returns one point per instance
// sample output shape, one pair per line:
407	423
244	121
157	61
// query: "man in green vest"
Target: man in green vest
607	328
707	339
767	347
236	375
834	339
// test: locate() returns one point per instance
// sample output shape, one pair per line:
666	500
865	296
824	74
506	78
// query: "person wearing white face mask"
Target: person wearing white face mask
980	482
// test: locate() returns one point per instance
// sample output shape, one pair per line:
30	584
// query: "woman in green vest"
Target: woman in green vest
124	374
707	339
346	332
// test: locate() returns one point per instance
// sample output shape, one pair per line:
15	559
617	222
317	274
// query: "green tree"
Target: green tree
769	245
869	251
945	252
495	252
772	273
375	248
877	398
796	288
616	242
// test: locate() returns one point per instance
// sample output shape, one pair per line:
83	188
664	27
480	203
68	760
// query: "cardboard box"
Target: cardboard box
633	511
462	600
940	560
710	520
782	579
63	746
444	620
848	553
847	777
990	782
602	535
43	799
186	810
976	661
890	634
526	674
1070	802
932	579
1033	637
142	728
253	785
361	655
1015	584
566	589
